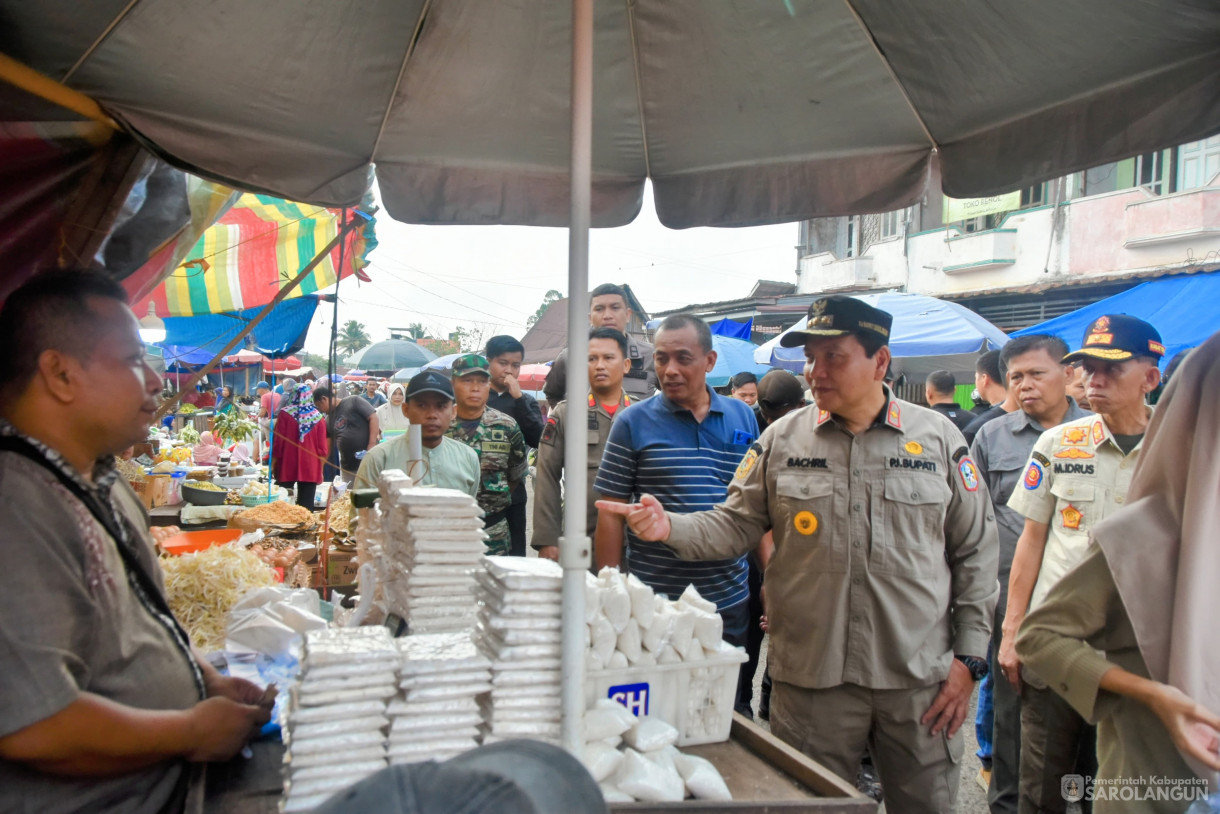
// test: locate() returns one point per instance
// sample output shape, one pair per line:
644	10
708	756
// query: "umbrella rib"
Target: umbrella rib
100	39
890	69
639	87
402	70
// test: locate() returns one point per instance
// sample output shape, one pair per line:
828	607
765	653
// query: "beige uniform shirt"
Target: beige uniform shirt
885	547
1057	641
1075	478
548	497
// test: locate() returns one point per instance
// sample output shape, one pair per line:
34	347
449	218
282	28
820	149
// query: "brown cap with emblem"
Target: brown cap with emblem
1118	337
838	315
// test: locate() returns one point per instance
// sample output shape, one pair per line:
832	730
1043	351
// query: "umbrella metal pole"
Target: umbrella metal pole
574	546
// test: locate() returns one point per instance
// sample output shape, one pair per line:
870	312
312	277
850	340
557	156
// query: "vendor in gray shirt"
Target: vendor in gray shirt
103	703
1037	379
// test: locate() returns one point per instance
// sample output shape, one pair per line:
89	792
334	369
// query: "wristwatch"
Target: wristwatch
976	666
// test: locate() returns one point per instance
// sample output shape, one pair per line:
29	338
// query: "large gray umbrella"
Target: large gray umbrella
392	354
740	112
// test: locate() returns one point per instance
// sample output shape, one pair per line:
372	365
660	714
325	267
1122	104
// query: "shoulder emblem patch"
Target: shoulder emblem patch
894	416
960	453
1075	436
1099	434
1075	453
1033	476
747	463
1040	458
549	431
914	447
969	473
1071	517
805	523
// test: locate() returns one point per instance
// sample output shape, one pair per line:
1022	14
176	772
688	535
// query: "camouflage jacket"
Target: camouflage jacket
501	448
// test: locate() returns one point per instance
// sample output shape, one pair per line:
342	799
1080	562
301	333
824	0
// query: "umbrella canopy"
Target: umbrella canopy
391	354
733	356
741	113
406	374
442	362
532	377
928	334
1182	309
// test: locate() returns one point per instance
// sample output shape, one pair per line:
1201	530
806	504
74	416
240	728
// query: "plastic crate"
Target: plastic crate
188	542
696	698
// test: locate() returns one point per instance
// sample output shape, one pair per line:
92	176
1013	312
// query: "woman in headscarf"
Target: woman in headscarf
207	451
393	414
1145	596
300	444
224	400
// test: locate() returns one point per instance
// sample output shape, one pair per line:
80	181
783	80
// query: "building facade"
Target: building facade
1069	242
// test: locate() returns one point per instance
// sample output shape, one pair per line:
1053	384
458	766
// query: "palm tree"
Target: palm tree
416	331
353	337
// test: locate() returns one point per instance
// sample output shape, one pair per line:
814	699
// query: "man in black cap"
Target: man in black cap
451	464
1077	475
881	590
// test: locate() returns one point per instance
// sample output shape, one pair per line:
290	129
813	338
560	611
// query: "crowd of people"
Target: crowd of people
895	553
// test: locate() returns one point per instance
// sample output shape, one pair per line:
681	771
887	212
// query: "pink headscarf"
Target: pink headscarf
1162	549
207	451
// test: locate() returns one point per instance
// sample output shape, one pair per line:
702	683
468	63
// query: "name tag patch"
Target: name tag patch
910	463
1073	469
807	463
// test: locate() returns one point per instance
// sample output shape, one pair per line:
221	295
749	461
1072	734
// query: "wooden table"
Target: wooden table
765	775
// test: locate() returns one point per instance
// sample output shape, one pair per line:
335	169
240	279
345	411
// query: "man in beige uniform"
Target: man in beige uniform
884	568
608	363
1077	474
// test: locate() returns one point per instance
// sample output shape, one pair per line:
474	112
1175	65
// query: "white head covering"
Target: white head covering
1164	547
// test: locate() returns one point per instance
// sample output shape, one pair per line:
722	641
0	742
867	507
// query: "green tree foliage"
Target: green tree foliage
353	337
547	298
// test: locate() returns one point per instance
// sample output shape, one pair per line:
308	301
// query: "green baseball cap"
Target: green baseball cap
470	363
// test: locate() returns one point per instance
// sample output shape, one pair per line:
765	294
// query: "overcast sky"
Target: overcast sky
494	277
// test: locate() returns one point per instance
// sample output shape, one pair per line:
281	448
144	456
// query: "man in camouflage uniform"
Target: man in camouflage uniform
498	441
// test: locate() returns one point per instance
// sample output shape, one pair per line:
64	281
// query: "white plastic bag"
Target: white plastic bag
601	760
603	639
628	642
642	606
658	633
650	734
593	597
682	637
616	602
691	597
617	661
612	795
709	629
645	780
701	777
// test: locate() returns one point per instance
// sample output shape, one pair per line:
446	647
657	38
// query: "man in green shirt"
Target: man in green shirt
496	438
449	464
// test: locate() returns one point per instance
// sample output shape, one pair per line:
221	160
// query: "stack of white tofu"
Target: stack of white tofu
435	715
336	719
433	541
519	630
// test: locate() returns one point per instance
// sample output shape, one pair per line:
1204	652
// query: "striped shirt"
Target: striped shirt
659	448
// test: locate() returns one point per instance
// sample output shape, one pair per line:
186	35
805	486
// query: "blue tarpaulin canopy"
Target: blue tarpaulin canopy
196	340
735	330
733	356
928	334
1185	310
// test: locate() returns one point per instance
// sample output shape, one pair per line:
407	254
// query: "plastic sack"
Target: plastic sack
612	795
338	727
645	780
361	769
603	639
650	734
616	602
709	629
628	642
601	760
607	719
658	633
646	659
682	637
668	656
642	606
336	712
691	597
617	661
273	620
593	597
701	777
306	761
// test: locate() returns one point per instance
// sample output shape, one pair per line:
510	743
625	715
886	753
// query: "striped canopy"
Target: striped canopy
255	248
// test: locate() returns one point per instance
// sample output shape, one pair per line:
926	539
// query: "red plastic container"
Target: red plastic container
188	542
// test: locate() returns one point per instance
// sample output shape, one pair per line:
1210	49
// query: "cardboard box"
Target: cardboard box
342	567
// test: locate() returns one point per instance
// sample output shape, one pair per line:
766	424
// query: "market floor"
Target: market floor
971	799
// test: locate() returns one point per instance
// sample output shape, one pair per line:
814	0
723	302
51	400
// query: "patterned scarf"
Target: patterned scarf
300	406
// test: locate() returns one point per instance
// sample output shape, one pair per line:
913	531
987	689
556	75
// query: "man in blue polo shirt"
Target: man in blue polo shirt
682	446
